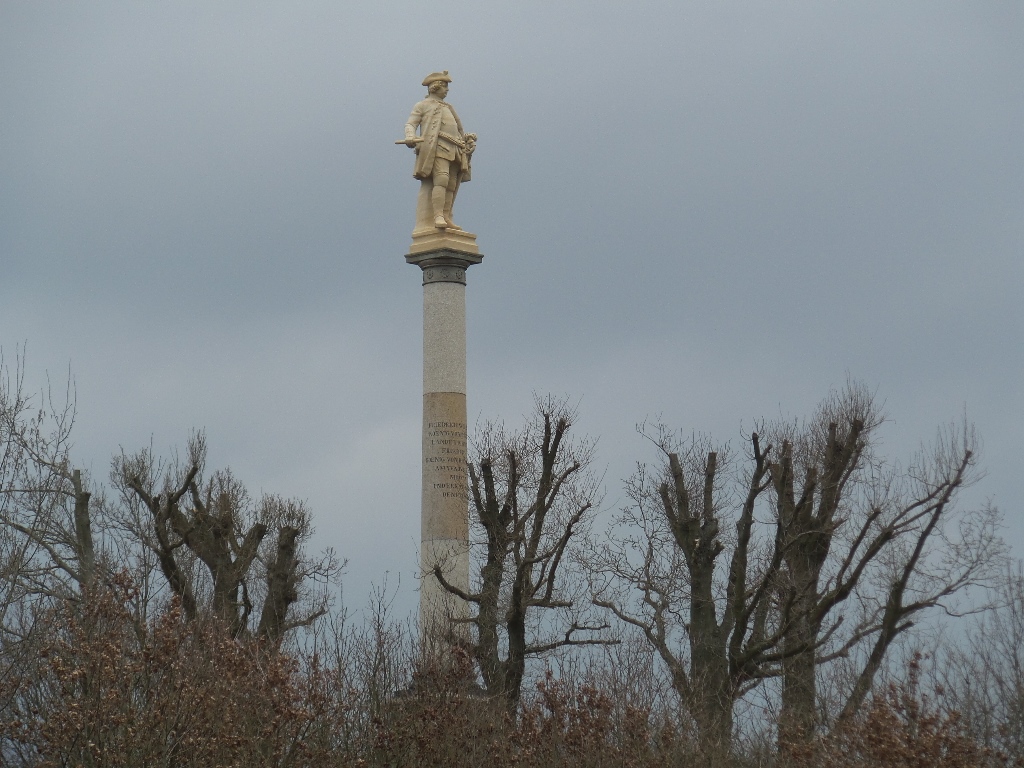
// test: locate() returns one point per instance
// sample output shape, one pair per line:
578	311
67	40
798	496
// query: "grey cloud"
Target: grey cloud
708	211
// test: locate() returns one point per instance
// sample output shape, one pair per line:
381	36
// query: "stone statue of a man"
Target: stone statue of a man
443	153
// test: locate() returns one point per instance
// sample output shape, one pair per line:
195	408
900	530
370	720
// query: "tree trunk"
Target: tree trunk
712	705
282	582
515	664
83	534
798	717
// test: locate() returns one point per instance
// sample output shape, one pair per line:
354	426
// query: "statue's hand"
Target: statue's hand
413	141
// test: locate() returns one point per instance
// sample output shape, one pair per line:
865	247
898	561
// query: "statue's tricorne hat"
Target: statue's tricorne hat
433	77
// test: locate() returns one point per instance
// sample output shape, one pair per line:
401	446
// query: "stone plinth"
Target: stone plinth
426	241
444	539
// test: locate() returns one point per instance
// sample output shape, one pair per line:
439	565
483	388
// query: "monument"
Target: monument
443	251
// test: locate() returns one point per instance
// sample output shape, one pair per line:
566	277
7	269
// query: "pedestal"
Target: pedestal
444	540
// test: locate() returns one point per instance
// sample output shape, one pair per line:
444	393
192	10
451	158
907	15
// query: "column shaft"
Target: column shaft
444	532
445	510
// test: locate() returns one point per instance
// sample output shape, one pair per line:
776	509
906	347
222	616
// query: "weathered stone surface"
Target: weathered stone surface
444	337
445	496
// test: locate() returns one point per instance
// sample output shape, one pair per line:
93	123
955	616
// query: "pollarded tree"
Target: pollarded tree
660	572
868	546
533	496
194	525
58	536
829	552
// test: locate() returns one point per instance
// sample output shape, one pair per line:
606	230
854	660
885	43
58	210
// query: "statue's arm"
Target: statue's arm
413	122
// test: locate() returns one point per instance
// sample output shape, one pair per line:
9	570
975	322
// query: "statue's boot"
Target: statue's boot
437	199
449	201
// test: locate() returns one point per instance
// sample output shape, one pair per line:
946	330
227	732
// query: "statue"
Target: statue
443	153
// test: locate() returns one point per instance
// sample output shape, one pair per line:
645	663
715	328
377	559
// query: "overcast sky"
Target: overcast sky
710	212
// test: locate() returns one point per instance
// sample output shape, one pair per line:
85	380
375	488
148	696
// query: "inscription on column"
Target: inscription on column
445	478
446	466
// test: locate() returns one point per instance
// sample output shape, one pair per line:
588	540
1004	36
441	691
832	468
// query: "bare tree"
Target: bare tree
981	671
859	529
854	530
48	556
44	502
183	518
58	536
665	547
532	495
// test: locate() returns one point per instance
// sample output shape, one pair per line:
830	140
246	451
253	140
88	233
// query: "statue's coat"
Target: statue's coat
427	115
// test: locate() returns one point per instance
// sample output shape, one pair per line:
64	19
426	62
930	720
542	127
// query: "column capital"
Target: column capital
444	265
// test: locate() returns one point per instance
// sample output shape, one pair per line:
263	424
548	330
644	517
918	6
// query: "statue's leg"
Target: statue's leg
438	194
449	197
424	206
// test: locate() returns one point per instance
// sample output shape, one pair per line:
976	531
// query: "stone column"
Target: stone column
444	539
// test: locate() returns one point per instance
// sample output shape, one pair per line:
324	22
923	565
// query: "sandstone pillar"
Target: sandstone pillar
444	538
